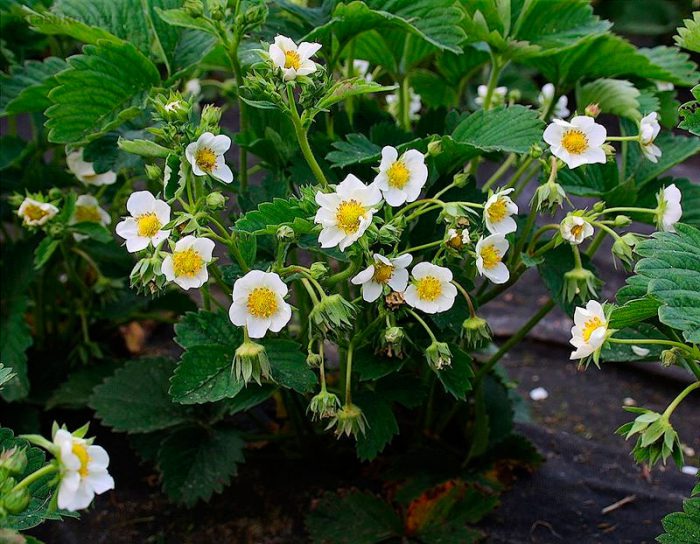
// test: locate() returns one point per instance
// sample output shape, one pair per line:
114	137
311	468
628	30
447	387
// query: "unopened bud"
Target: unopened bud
622	221
194	8
608	150
670	357
536	151
438	355
16	502
216	201
211	115
153	172
460	180
314	360
318	270
434	148
13	460
392	342
592	110
217	9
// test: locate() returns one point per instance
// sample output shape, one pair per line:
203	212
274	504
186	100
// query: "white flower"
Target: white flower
206	156
414	107
589	331
83	471
649	129
401	179
383	271
187	265
560	109
577	142
497	97
361	68
669	210
292	60
35	213
489	258
258	303
148	215
85	171
346	213
87	210
575	229
497	213
431	288
193	87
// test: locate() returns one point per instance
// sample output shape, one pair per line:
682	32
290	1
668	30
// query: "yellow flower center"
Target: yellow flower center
262	302
87	213
349	214
382	272
491	256
187	263
205	158
576	230
591	325
80	451
148	225
429	288
497	211
574	141
292	60
398	175
34	212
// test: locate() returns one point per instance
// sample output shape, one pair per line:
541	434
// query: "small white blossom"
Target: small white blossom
187	264
293	60
35	213
649	129
497	213
589	331
669	210
87	210
498	96
489	258
414	107
431	289
83	471
258	303
361	68
575	229
577	142
345	214
206	156
193	87
384	271
85	171
401	179
144	227
545	97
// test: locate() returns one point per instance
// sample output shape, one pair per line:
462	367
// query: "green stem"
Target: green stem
622	138
519	172
493	81
405	105
423	246
302	137
595	244
462	290
242	112
423	323
348	375
343	274
671	407
499	173
633	210
656	341
34	476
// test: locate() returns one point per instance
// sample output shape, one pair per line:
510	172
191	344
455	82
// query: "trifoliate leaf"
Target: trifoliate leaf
26	88
381	425
197	462
102	88
614	96
135	399
689	35
53	24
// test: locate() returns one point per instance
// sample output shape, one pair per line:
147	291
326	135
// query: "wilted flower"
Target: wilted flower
498	211
206	156
649	129
401	179
475	331
324	405
250	362
384	271
349	421
431	288
549	195
85	171
457	238
575	229
293	61
489	258
35	213
669	211
391	342
577	142
148	216
258	303
579	282
187	265
590	330
87	210
438	355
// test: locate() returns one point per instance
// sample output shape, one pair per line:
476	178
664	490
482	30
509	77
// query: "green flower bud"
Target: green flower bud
14	460
314	360
250	362
211	116
286	234
194	8
319	270
434	148
609	151
580	282
255	15
460	180
475	331
622	221
592	110
153	172
172	107
324	405
333	315
671	357
438	355
389	234
536	151
514	95
216	201
623	251
16	502
217	9
349	421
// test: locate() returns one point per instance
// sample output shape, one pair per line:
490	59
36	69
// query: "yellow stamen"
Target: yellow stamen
498	211
187	263
491	256
349	214
382	272
205	159
292	60
80	451
591	325
34	212
398	175
576	230
429	288
574	141
262	302
148	225
87	213
456	241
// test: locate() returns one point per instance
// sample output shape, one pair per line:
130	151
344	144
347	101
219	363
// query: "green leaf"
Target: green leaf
135	399
689	35
589	180
26	88
44	251
249	397
381	425
180	17
690	112
682	527
6	375
76	391
206	328
371	366
104	87
288	365
357	149
456	379
271	215
674	148
15	335
350	87
623	353
12	150
197	462
614	96
96	231
372	520
205	374
51	24
145	148
633	312
511	129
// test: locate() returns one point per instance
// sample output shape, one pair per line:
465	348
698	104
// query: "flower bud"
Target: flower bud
599	206
434	148
172	107
13	460
592	110
15	502
579	282
475	331
549	196
216	201
460	180
318	270
333	315
194	8
211	115
217	9
255	15
314	360
153	172
250	362
286	234
349	420
514	95
324	405
623	251
671	357
389	234
622	221
536	151
609	151
438	355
